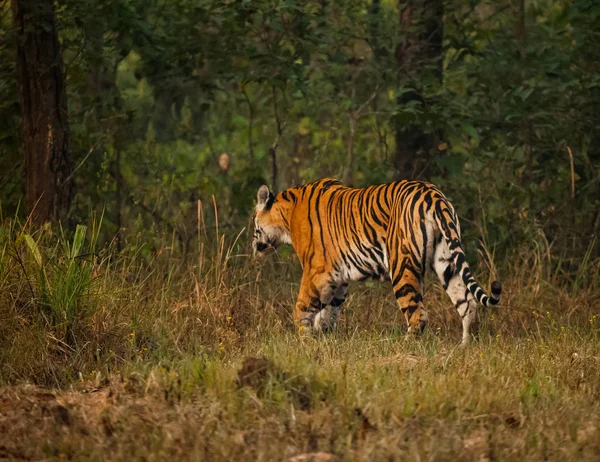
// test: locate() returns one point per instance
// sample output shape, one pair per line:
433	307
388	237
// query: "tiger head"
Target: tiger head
271	226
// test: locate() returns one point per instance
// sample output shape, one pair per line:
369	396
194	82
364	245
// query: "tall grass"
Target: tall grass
69	307
165	332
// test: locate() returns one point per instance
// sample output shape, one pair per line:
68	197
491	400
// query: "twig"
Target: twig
70	177
216	215
211	148
572	172
17	257
30	216
79	53
9	174
367	102
250	121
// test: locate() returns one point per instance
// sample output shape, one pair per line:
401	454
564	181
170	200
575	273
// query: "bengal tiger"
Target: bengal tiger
390	231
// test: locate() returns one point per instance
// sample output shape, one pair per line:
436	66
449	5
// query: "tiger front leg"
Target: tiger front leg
308	303
319	302
326	319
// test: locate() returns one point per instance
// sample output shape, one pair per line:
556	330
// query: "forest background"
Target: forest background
168	103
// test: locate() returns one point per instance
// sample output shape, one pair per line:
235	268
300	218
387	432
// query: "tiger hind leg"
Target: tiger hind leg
407	283
464	302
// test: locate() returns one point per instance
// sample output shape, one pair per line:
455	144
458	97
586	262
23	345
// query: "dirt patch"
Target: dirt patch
36	423
137	416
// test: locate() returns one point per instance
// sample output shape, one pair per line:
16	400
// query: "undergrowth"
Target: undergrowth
160	336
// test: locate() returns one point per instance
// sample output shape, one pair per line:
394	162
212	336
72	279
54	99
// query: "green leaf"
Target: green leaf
470	130
454	165
33	249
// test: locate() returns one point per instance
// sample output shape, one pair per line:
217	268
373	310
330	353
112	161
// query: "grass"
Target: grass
143	355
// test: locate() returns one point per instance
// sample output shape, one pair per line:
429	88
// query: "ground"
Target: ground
362	396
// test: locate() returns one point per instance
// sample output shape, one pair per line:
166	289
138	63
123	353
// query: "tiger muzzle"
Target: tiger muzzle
261	246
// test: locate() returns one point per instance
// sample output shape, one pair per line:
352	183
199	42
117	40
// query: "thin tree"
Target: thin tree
420	51
43	99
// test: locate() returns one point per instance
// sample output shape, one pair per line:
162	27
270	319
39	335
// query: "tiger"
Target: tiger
393	231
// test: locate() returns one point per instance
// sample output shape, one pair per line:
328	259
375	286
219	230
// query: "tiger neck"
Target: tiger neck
284	204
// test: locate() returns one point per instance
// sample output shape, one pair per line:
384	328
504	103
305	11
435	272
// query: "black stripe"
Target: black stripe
320	223
405	290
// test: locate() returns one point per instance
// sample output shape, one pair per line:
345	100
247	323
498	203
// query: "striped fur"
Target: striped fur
392	231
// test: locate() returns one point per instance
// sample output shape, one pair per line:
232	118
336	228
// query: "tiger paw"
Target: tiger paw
304	327
417	328
328	328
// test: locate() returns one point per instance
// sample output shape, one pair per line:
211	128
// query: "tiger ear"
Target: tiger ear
264	197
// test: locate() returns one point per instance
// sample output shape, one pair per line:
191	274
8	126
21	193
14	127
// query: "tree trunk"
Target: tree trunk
118	198
420	52
41	86
521	31
348	172
273	149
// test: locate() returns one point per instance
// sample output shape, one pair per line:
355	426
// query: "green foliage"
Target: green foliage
11	186
63	279
159	91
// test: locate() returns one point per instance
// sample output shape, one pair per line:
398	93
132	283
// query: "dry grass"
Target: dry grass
144	361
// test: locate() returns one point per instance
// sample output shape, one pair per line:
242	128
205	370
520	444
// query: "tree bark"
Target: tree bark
43	99
420	52
348	172
521	30
273	148
118	197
